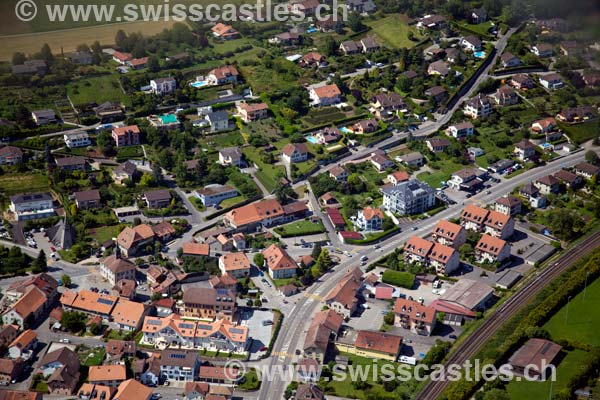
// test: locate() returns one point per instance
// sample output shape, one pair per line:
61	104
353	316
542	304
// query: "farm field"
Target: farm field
12	184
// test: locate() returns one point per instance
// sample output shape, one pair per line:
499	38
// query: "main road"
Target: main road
295	324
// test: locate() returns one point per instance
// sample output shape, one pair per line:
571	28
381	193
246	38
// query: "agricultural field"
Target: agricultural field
393	30
14	183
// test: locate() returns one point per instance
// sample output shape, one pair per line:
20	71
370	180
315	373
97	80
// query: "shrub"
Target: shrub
399	278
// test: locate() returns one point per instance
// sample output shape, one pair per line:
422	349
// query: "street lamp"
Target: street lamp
567	314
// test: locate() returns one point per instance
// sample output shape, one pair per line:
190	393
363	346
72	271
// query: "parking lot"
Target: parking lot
260	333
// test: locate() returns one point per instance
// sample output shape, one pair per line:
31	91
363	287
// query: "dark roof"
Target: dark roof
27	197
157	195
87	195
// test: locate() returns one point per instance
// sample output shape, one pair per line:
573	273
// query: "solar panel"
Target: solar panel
205	327
154	322
221	292
236	331
105	301
177	355
186	326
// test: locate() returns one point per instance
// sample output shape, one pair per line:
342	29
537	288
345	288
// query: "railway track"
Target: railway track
468	348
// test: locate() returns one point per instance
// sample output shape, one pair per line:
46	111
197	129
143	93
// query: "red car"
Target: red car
53	248
264	348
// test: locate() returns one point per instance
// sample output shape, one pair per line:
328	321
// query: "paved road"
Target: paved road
295	325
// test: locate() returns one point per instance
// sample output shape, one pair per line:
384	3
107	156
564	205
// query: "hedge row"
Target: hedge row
398	278
373	238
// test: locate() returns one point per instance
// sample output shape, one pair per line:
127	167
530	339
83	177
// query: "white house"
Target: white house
369	219
295	152
325	95
73	140
163	86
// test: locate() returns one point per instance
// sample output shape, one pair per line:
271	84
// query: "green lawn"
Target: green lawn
268	174
91	357
251	381
18	183
393	31
97	90
232	201
584	318
219	141
103	233
480	29
582	132
434	179
300	228
130	152
568	367
320	116
282	282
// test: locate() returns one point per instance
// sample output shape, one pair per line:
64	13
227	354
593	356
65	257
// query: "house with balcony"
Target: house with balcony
414	316
491	249
126	136
369	219
279	263
449	234
478	107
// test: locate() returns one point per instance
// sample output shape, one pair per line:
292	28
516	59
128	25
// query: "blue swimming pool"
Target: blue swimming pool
346	130
199	84
312	139
479	54
311	30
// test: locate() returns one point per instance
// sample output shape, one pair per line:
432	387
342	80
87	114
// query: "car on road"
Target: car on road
267	322
264	348
452	337
376	246
415	228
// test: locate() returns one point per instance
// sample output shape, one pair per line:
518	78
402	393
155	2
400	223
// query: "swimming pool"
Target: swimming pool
346	130
199	84
479	54
168	118
311	30
312	139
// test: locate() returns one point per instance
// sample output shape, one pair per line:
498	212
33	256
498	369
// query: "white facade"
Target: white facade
74	140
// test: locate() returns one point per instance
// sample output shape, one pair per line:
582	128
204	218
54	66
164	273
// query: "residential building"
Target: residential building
478	107
547	184
544	125
381	162
126	136
543	50
369	219
126	170
74	140
508	205
122	58
128	315
124	289
475	152
114	269
338	173
499	225
212	195
32	205
109	111
491	249
44	117
132	390
132	241
586	170
322	331
286	38
23	346
179	365
479	15
414	159
157	198
230	156
308	392
575	115
163	86
505	96
437	93
280	264
509	60
325	95
552	81
30	67
235	264
461	130
432	22
395	178
415	316
350	47
369	44
218	120
208	303
439	67
197	250
371	344
88	302
473	217
313	59
467	179
387	105
569	179
521	82
116	350
410	197
343	298
361	6
328	135
252	216
365	126
32	297
252	111
295	153
471	43
223	75
87	199
10	155
524	150
449	234
437	145
107	375
74	163
225	32
444	259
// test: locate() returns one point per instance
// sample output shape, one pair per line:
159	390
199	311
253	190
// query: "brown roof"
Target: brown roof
378	341
199	387
87	195
329	319
24	339
496	219
508	201
120	347
124	130
441	253
163	229
419	246
118	265
252	107
490	244
327	91
129	236
412	308
70	161
157	195
535	352
548	180
207	296
346	290
290	148
474	213
89	301
587	168
565	176
101	373
235	261
277	258
447	229
369	213
133	390
224	71
129	313
29	303
256	212
19	395
196	249
64	356
222	280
